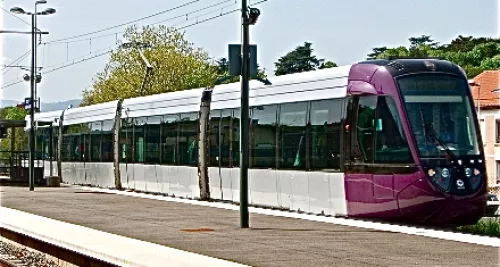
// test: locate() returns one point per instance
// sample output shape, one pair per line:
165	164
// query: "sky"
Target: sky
343	31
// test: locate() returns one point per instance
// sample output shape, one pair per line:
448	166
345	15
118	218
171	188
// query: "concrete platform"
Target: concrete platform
215	232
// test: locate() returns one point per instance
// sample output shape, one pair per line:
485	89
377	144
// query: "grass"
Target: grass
486	226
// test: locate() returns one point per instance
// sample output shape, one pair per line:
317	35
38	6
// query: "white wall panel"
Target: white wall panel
215	182
263	189
319	192
337	194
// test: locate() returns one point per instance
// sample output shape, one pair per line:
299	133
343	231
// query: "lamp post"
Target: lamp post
249	16
48	11
245	115
35	28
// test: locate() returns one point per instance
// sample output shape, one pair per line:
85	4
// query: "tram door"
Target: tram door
370	147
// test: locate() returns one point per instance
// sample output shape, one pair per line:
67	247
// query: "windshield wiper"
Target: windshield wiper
433	135
430	132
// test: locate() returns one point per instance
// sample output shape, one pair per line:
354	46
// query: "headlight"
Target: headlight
445	173
441	177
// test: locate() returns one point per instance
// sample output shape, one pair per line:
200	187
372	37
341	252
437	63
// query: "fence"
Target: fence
15	165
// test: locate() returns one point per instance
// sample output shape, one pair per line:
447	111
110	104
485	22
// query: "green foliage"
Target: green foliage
222	70
13	113
299	60
474	55
486	226
177	65
376	51
327	65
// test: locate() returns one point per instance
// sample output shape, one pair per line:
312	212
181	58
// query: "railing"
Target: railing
15	165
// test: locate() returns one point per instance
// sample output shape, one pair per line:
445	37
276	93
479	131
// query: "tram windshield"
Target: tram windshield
440	115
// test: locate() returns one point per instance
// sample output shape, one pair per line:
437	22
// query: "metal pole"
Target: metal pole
12	149
35	29
51	149
149	68
32	108
245	118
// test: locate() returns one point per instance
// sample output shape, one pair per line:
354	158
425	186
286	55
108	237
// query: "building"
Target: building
485	89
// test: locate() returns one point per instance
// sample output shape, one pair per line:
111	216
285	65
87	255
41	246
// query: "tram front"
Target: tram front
440	112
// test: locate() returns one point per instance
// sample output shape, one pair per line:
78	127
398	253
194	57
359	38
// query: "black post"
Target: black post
245	117
51	136
12	149
32	108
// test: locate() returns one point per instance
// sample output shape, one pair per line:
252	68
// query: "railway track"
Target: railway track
16	256
8	261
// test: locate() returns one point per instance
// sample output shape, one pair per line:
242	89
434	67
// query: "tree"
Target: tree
474	55
376	51
222	70
416	42
13	113
177	65
299	60
327	65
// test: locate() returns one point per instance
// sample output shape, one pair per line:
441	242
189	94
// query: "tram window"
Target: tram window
170	151
71	142
236	137
225	137
153	139
188	139
366	126
65	145
214	138
95	141
55	146
139	135
85	142
325	134
107	154
126	138
292	136
40	138
390	142
263	138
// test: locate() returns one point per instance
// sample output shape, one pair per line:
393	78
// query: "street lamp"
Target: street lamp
140	46
48	11
249	16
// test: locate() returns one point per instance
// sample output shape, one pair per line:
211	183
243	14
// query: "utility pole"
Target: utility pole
245	116
33	80
32	106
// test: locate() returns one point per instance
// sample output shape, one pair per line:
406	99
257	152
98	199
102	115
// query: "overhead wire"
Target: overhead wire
155	23
20	19
111	50
10	66
198	22
125	23
218	16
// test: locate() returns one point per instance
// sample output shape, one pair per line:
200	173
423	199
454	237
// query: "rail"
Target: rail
65	254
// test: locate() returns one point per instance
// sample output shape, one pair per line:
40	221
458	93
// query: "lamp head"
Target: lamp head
48	11
17	10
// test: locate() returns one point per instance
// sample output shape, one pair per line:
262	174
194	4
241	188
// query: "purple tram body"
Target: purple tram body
421	176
